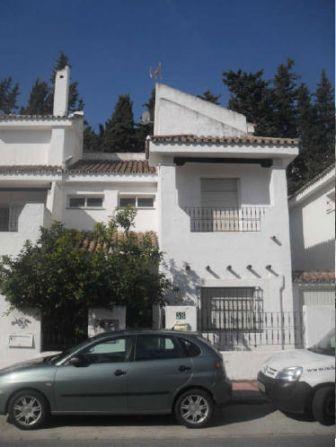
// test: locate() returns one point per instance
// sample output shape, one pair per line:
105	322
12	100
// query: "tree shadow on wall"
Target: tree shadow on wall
185	282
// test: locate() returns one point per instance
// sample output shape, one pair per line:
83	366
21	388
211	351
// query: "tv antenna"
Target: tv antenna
156	72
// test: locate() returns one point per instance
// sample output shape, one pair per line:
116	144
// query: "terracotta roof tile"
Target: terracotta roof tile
248	139
314	277
13	117
122	167
94	245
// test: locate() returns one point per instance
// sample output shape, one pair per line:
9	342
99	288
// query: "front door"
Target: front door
158	370
100	384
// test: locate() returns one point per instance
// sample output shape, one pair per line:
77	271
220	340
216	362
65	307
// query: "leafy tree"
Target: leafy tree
119	133
92	140
38	102
8	95
210	97
62	275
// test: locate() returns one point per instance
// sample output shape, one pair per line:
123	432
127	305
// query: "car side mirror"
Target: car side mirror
78	361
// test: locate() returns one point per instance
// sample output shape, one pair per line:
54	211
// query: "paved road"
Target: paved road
259	424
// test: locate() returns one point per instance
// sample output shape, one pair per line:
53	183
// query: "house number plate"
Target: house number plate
180	315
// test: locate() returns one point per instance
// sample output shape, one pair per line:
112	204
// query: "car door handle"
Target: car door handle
119	372
184	368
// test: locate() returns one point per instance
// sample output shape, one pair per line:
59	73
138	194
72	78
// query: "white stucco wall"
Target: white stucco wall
318	321
85	219
180	186
312	225
32	217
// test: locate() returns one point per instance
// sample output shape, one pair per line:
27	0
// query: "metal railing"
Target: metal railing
209	219
246	330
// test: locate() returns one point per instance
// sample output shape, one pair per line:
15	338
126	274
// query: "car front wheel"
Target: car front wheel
194	408
324	405
28	410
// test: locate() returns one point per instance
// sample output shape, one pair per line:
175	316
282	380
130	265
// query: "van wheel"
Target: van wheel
194	408
28	410
324	405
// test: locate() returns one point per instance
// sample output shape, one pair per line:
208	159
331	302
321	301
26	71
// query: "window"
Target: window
137	202
85	202
156	347
109	351
219	192
189	348
9	217
232	309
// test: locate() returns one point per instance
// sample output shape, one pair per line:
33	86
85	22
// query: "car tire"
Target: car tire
323	406
28	410
194	408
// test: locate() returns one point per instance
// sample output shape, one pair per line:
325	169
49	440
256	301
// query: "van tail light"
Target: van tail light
219	366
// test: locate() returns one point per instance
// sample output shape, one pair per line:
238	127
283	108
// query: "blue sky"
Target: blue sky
112	43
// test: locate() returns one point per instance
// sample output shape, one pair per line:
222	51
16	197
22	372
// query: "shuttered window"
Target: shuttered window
219	192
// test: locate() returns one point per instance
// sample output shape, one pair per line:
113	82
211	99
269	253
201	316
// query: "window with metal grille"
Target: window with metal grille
232	309
9	217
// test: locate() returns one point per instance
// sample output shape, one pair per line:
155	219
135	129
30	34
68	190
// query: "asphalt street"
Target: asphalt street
253	425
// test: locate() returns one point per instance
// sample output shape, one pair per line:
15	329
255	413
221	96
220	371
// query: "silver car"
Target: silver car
127	372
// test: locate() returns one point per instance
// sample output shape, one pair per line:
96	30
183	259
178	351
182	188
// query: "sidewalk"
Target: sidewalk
246	391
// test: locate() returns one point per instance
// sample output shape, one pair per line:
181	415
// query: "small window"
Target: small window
85	202
4	219
156	347
94	202
127	201
189	348
145	202
77	202
109	351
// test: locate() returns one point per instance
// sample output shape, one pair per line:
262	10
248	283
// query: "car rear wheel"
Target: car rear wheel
28	410
324	405
194	408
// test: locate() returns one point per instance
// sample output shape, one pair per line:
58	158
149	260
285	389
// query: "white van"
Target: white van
303	381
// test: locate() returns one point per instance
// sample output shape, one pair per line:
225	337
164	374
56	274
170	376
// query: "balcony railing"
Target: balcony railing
244	219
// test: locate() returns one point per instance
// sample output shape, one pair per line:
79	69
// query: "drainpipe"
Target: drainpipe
281	312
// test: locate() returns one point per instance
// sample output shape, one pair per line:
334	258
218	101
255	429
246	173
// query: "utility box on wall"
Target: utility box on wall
106	320
181	318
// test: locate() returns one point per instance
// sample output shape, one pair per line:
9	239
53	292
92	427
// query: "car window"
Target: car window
109	351
156	347
189	348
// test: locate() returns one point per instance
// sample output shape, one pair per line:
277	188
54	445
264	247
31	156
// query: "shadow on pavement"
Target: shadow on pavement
228	415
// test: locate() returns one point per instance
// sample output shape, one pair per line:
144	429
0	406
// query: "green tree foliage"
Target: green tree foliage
38	102
41	97
142	130
279	107
8	95
210	97
119	133
92	140
61	275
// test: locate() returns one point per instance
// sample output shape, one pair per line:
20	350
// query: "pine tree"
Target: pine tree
75	101
325	121
210	97
119	130
39	99
92	140
143	129
251	96
283	98
9	93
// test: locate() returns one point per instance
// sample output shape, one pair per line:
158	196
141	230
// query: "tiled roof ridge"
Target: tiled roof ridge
209	139
14	117
87	167
327	276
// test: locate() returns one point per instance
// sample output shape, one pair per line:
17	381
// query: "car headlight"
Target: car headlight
291	374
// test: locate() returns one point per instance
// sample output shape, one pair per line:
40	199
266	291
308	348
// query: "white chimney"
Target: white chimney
61	92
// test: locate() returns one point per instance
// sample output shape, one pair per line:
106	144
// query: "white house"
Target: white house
215	194
312	226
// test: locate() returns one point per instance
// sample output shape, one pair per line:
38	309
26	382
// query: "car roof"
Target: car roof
146	332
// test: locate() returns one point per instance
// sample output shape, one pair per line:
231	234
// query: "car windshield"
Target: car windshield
326	345
69	351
